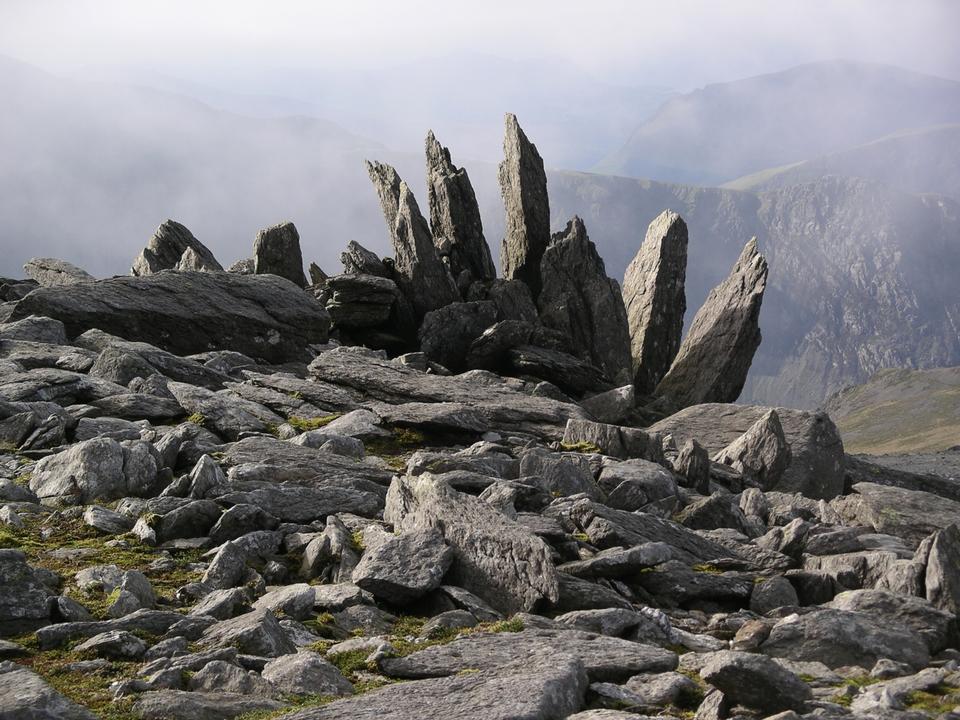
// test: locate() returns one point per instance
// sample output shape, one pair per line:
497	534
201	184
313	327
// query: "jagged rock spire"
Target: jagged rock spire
455	215
653	293
715	356
166	247
421	275
523	184
276	251
579	299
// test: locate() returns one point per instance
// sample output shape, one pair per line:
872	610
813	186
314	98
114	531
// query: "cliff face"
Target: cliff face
860	274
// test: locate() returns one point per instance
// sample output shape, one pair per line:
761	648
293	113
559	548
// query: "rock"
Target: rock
239	520
566	371
222	604
97	469
227	568
633	484
693	463
712	362
653	293
942	579
604	658
139	406
756	682
24	598
114	644
612	406
936	626
183	705
50	272
561	474
357	260
455	216
773	593
295	601
155	622
616	441
523	185
24	695
221	676
421	275
192	261
579	300
404	567
816	467
225	413
167	246
715	511
276	251
761	454
305	673
837	638
493	557
262	316
446	334
619	562
908	514
35	329
255	633
361	301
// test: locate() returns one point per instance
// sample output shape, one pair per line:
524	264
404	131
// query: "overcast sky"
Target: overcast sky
680	43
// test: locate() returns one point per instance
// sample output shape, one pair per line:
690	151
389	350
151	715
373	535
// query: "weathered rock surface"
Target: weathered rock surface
50	272
261	316
523	185
493	557
756	682
653	293
276	251
420	273
25	696
454	215
761	454
404	567
910	514
578	299
714	357
167	246
24	598
446	334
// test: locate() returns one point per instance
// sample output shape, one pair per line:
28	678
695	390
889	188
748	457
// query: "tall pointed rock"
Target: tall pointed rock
653	293
578	299
421	275
455	215
523	184
715	356
166	247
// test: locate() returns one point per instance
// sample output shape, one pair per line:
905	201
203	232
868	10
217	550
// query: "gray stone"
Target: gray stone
771	594
50	272
361	301
254	633
114	644
619	562
715	356
632	484
404	567
140	406
617	441
35	329
523	185
225	413
719	510
183	705
220	676
295	601
166	247
227	568
222	604
357	260
262	316
761	455
421	275
24	695
560	474
568	372
756	682
305	673
495	558
455	216
192	261
579	300
107	521
155	622
24	598
908	514
446	333
276	251
942	578
653	293
612	406
693	463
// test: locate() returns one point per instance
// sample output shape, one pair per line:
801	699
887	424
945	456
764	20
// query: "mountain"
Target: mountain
728	130
900	411
862	275
917	161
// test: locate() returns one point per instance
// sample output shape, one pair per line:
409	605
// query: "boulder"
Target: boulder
50	272
24	598
714	358
493	557
24	695
816	466
305	673
523	185
936	626
455	216
35	329
183	705
446	334
756	682
761	454
361	300
254	633
357	260
614	440
262	316
693	463
566	371
167	246
908	514
404	567
276	251
942	577
421	275
223	412
653	293
579	300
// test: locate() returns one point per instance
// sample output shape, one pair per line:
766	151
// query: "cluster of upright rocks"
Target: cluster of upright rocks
416	489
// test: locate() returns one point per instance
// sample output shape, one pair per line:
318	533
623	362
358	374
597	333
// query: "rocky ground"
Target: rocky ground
234	494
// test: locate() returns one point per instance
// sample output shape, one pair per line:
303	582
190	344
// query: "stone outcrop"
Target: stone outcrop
421	275
455	216
50	272
715	356
761	454
276	251
523	185
578	299
357	260
653	293
166	248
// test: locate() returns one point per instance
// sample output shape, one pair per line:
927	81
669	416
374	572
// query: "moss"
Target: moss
322	625
582	537
842	700
351	662
23	479
197	419
401	440
859	681
312	423
806	677
514	624
292	703
581	447
7	448
356	540
707	568
936	701
408	625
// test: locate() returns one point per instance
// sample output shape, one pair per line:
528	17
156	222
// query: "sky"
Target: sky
681	44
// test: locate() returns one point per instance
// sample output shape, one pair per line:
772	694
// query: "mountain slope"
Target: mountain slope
898	411
728	130
917	161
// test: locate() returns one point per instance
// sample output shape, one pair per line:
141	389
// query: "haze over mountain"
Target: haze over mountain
727	130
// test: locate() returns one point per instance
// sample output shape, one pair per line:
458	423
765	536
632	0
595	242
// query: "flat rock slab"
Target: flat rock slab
909	514
25	696
181	705
549	686
263	316
604	658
